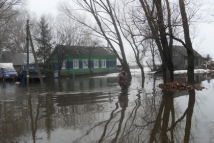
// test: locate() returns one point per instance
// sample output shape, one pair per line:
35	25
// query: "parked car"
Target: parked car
7	71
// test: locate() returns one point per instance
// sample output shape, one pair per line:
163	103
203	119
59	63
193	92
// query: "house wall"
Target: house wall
17	68
179	60
69	67
199	61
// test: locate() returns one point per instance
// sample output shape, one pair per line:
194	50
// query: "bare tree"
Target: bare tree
7	10
10	18
165	20
71	33
104	16
14	33
188	43
154	55
159	29
91	45
131	28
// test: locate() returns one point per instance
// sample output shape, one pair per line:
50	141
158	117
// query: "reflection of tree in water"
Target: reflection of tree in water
45	103
123	101
211	131
118	127
32	121
48	112
163	130
149	122
129	124
109	126
107	123
165	108
148	119
12	120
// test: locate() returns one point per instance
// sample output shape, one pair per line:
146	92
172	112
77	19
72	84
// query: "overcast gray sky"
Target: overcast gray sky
203	42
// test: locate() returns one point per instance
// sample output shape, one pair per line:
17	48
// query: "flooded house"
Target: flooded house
77	60
179	57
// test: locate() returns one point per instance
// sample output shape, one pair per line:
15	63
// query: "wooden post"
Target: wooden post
36	62
27	46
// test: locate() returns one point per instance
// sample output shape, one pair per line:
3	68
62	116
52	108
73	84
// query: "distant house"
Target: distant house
18	59
82	60
179	57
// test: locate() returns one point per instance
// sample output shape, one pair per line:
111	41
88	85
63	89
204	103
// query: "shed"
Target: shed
18	59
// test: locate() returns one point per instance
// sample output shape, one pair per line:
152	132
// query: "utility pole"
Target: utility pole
27	39
36	62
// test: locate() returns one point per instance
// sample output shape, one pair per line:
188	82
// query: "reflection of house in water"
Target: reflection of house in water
207	76
81	84
183	78
198	78
181	93
82	98
77	109
13	119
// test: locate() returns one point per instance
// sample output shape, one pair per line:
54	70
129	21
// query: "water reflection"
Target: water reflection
123	100
166	127
96	110
81	84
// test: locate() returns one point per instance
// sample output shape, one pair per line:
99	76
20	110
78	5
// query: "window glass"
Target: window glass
96	63
103	63
76	64
85	63
63	64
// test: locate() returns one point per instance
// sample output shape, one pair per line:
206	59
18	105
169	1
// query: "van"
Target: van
7	71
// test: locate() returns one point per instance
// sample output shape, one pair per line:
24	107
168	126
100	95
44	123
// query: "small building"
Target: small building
179	58
82	60
18	59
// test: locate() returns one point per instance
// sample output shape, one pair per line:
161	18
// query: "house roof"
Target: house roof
16	58
183	51
82	50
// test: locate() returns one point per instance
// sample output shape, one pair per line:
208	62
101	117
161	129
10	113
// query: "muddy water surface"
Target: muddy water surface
86	110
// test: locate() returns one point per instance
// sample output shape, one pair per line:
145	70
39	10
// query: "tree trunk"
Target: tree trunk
190	53
142	74
153	63
189	115
159	34
127	69
165	45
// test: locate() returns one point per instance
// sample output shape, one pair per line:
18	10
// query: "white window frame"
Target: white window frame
103	63
75	64
96	63
85	63
63	64
185	62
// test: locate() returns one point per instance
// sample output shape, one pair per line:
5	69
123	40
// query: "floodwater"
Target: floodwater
94	110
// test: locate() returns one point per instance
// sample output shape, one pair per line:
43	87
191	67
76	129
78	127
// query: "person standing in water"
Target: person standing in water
122	80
